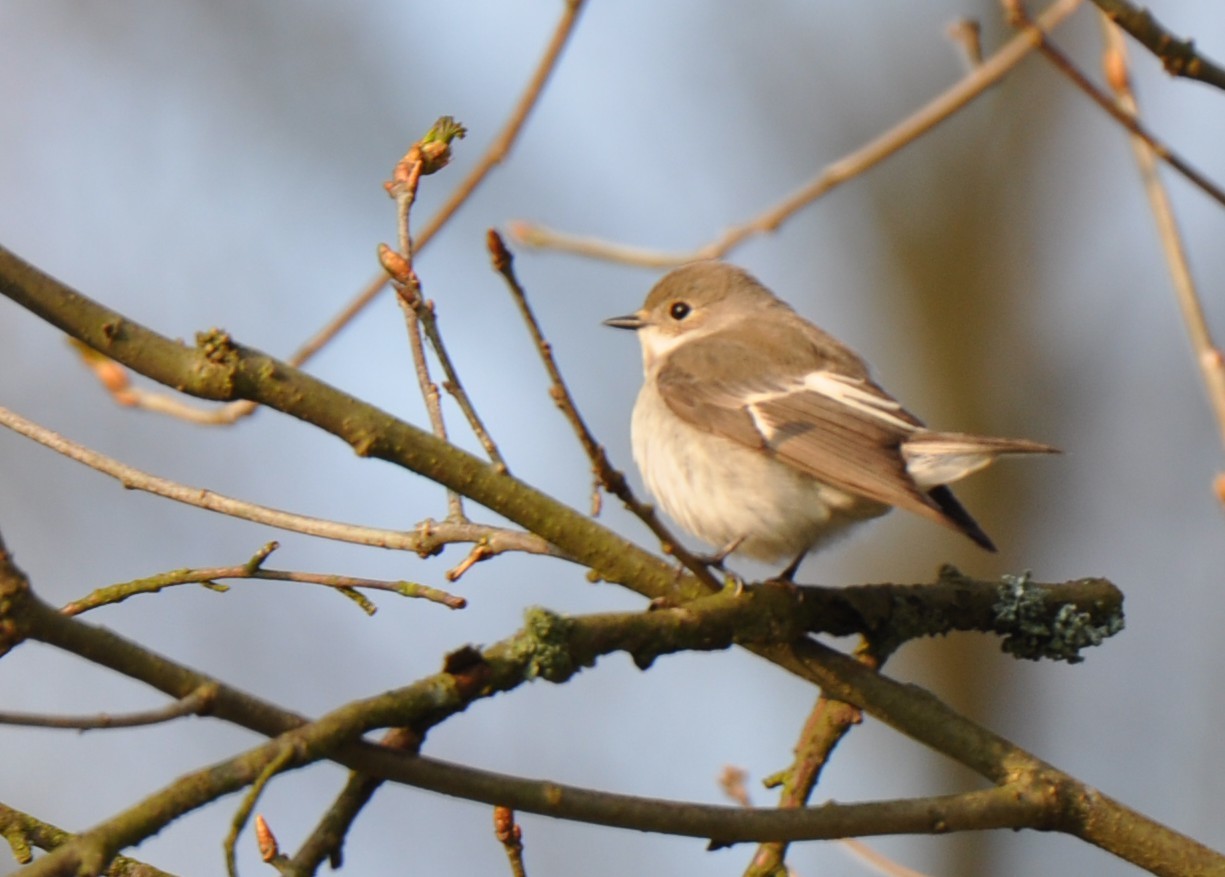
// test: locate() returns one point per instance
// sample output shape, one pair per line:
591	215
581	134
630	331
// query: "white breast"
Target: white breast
722	491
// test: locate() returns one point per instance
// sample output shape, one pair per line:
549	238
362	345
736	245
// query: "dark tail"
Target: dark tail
956	514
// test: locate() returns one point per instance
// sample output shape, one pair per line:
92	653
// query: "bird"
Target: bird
766	437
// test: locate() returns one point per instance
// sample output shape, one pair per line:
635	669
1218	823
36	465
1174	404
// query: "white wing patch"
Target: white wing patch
764	425
854	393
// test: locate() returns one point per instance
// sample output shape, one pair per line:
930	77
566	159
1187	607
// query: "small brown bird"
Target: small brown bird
765	436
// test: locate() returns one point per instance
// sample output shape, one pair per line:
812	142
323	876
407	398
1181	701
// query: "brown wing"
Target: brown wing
841	429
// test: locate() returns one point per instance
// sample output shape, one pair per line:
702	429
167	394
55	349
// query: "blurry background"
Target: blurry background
201	164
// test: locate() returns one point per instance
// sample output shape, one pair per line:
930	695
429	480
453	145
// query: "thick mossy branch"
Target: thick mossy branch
1035	620
1023	615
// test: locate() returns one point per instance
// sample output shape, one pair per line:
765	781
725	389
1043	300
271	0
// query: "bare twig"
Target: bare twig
503	263
877	861
498	149
403	188
284	755
25	833
425	157
606	475
978	80
197	703
112	594
422	318
510	835
427	539
326	840
829	721
494	155
967	33
115	379
1065	66
1178	56
1207	354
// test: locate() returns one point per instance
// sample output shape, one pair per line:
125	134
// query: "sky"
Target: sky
221	164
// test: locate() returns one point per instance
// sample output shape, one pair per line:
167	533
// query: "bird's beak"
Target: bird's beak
629	321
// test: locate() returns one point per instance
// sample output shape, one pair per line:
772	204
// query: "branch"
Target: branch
23	831
1033	620
1129	121
425	157
1208	355
555	649
197	703
253	569
427	539
326	840
1031	794
220	369
403	187
1077	809
978	80
1177	56
607	476
829	721
498	149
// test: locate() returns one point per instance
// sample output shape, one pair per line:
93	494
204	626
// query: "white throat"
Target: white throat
657	344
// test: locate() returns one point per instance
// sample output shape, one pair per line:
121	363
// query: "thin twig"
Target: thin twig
503	262
606	475
494	155
198	703
974	83
427	539
510	835
1178	56
497	152
208	576
116	381
283	758
422	318
430	154
829	721
1065	66
326	840
967	33
1207	354
876	860
427	156
403	187
452	384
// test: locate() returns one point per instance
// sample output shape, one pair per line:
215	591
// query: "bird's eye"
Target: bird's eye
679	310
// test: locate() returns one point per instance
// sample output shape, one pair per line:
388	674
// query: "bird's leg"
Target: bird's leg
715	561
787	576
